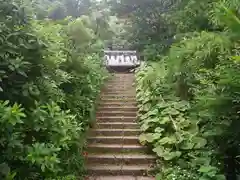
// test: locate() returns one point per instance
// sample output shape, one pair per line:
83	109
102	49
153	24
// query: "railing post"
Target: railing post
121	58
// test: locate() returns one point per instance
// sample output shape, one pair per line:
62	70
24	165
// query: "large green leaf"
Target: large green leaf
168	140
207	169
170	111
220	177
153	112
159	130
199	142
181	106
187	145
4	169
145	126
171	155
149	137
162	105
159	150
166	154
165	120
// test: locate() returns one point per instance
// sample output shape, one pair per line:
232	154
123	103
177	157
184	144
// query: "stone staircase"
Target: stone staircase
113	149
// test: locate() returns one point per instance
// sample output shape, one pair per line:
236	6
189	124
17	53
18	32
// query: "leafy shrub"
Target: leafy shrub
49	87
189	101
175	137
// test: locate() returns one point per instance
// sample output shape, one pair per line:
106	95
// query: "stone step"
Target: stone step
123	85
117	125
116	113
117	103
119	178
123	107
119	85
118	88
126	98
115	132
120	74
116	148
117	159
118	93
121	79
117	96
133	140
117	118
123	100
132	170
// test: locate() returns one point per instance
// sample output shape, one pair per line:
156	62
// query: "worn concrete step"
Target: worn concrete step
119	88
102	119
122	107
119	85
119	93
122	100
115	148
134	170
117	125
115	132
131	90
120	74
116	79
119	178
116	113
133	140
120	81
117	159
117	96
117	104
122	78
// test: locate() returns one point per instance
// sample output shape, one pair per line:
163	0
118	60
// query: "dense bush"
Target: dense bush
189	100
49	84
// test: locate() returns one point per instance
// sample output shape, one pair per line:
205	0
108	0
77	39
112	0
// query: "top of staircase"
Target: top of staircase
121	58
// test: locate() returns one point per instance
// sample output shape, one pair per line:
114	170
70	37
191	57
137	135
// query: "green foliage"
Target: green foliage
55	9
50	81
148	24
189	99
167	125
